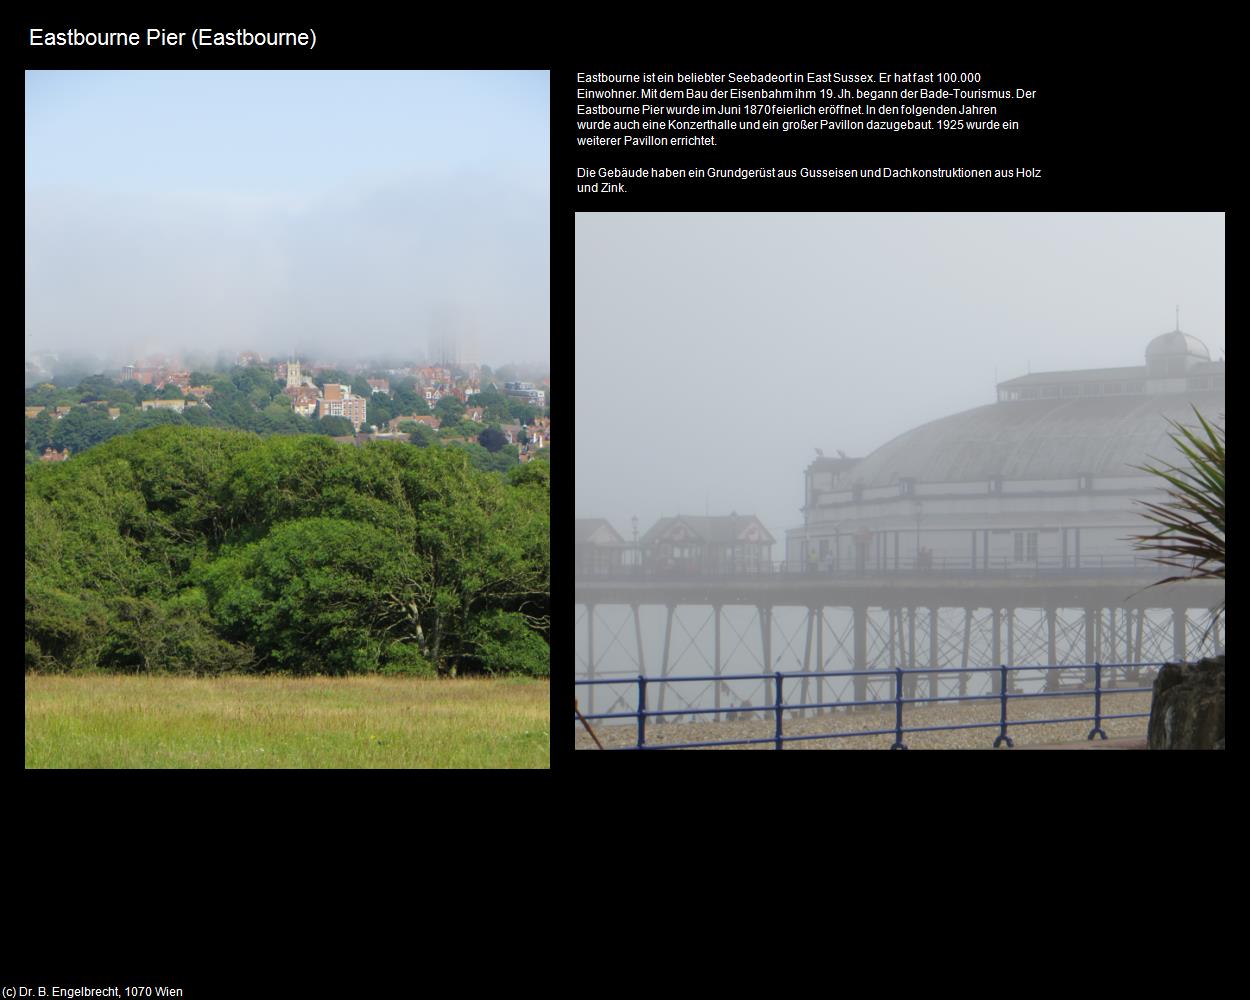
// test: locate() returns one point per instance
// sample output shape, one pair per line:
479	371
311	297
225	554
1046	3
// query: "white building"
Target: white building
1042	479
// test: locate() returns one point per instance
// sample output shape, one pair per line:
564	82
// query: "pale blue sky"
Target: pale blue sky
292	209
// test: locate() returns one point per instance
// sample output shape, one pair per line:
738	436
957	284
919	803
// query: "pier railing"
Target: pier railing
943	567
779	707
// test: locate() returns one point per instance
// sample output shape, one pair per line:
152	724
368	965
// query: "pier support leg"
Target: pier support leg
642	662
1010	614
716	664
664	664
590	650
1141	620
807	659
820	656
860	612
933	652
1052	676
910	686
1178	634
1091	648
1113	649
766	644
996	649
963	660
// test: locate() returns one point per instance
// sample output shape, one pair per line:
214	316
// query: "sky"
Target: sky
336	213
716	352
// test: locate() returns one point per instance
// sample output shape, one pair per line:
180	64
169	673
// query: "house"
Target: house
379	385
337	401
114	412
177	405
61	411
50	454
540	432
598	547
433	423
33	411
708	545
526	392
181	379
303	399
199	391
474	413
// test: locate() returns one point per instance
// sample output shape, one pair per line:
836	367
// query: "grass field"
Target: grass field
111	721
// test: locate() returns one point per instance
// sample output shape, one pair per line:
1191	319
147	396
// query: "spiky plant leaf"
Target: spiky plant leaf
1191	519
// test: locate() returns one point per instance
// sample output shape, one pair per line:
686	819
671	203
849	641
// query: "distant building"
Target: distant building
597	547
433	423
1046	477
200	391
33	411
379	385
114	412
177	405
474	413
61	411
338	401
181	379
303	399
50	454
708	545
526	391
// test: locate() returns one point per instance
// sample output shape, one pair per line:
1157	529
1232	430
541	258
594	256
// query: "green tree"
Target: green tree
449	410
421	435
82	428
477	546
492	438
334	426
308	597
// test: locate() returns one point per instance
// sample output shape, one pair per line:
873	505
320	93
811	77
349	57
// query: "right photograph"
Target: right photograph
899	481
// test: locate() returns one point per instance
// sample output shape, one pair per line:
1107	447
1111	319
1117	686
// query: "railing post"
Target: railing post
1097	704
642	710
777	704
898	710
1002	723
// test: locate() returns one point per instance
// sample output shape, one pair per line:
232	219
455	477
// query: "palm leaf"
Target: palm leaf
1191	519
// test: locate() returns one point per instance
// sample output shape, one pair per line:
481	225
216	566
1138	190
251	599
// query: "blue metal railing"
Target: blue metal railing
899	674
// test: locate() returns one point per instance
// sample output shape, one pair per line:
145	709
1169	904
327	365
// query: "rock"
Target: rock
1187	708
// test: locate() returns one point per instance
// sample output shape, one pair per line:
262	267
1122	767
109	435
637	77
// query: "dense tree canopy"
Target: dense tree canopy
197	549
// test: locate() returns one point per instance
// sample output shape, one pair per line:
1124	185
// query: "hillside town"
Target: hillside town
467	405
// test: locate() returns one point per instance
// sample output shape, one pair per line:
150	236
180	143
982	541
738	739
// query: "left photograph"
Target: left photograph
288	426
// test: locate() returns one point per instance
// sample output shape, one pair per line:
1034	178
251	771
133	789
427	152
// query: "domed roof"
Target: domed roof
1038	439
1177	344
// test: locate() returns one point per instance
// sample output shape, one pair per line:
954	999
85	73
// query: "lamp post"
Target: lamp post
918	506
637	554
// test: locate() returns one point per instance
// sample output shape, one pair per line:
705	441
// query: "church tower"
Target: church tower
292	374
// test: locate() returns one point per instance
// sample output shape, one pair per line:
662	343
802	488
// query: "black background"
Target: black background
1128	119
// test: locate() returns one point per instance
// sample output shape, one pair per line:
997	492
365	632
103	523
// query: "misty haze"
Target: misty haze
341	215
825	442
